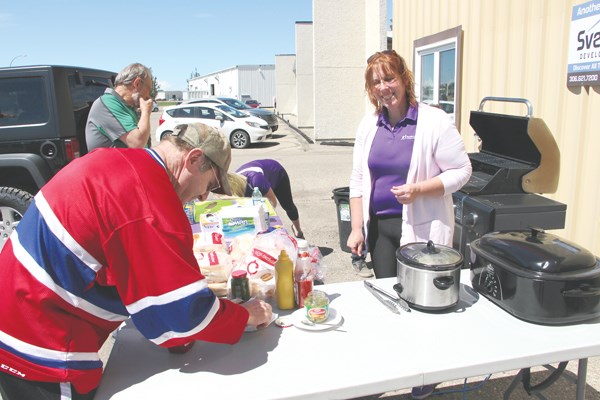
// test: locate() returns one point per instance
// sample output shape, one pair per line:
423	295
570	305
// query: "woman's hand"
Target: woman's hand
356	241
406	194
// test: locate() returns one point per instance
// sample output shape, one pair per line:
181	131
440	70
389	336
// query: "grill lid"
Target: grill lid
536	250
525	140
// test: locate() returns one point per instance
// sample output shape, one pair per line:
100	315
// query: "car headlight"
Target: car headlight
253	124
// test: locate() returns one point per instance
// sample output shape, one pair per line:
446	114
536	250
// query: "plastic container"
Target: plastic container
342	202
189	211
285	282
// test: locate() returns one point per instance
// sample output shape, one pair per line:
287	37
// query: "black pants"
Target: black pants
13	388
384	239
283	192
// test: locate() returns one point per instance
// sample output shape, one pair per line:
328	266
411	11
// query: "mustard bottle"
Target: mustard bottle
285	282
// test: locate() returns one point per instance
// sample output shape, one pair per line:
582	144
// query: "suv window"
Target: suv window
181	112
232	111
83	95
234	103
206	113
23	101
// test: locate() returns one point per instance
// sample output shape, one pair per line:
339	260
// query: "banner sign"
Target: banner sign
584	45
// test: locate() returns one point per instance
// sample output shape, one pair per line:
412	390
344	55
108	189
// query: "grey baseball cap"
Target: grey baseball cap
213	144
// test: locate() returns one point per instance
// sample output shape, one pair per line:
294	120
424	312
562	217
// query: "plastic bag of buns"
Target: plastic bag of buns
213	260
259	262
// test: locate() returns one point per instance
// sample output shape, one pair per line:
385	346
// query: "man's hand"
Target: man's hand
260	312
146	105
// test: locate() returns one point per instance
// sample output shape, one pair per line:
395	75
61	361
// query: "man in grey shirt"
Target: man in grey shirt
113	120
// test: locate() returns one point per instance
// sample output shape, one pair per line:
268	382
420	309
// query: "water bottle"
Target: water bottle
256	196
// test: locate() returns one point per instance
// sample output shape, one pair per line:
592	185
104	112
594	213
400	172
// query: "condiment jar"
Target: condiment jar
240	286
317	306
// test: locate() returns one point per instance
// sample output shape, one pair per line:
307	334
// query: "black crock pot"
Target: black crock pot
537	276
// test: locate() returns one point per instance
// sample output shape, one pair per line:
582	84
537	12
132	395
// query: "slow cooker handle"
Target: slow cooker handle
443	282
431	249
584	290
398	288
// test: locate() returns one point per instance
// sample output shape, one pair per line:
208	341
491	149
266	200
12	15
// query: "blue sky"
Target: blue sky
175	38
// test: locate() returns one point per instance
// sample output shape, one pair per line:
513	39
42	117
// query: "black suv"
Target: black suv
43	113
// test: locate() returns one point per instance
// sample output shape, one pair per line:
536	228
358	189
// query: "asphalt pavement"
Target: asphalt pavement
315	170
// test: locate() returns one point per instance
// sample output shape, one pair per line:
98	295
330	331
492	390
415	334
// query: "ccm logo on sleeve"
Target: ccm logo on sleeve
12	370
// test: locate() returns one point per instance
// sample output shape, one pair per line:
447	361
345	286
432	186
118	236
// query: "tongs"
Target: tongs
393	303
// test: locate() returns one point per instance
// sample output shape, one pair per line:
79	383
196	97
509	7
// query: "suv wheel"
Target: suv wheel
13	203
240	140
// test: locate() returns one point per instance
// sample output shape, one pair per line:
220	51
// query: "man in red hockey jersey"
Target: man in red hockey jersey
105	240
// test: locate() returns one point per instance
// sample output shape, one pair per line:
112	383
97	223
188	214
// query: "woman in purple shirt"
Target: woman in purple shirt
408	160
273	182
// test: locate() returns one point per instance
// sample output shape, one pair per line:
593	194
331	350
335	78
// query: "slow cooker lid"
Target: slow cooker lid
429	255
537	250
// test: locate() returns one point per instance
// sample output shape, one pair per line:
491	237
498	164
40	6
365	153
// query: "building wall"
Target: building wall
285	78
515	48
343	40
304	75
258	81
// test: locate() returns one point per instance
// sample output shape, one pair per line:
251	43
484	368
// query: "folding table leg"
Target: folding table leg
581	378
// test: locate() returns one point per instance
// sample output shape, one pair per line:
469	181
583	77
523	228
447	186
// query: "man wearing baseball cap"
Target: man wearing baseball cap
105	240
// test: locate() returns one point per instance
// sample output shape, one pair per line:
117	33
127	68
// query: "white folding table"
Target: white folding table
373	351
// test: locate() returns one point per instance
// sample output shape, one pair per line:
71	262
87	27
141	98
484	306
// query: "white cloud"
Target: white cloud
164	85
7	20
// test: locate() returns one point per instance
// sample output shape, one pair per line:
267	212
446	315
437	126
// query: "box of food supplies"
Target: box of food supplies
239	219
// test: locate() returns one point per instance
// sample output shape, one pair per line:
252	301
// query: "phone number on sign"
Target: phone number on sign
584	78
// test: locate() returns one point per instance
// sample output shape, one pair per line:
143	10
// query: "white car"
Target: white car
242	129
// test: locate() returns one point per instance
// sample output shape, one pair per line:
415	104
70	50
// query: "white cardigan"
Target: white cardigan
438	151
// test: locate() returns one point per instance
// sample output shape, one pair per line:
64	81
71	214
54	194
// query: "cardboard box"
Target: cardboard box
239	219
206	214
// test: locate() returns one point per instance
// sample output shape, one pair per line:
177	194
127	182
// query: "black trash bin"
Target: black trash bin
342	204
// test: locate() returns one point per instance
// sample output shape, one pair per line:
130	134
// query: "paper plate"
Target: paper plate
300	321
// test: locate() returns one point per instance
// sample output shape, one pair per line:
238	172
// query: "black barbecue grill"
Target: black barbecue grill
519	159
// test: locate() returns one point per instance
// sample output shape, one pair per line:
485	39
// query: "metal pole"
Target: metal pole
581	378
20	55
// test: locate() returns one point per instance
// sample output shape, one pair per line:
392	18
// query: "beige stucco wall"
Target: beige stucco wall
345	34
515	48
285	84
304	75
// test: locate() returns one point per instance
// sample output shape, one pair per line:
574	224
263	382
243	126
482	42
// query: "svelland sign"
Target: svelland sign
584	45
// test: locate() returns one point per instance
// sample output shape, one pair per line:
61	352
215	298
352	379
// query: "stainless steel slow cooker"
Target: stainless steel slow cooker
428	275
537	276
